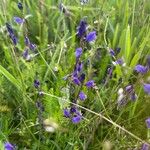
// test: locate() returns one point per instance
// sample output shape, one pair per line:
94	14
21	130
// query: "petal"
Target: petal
90	83
147	88
147	121
140	69
82	96
18	20
82	28
78	52
91	36
76	119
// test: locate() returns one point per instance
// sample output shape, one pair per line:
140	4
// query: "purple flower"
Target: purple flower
118	49
129	88
36	83
119	61
9	146
82	28
76	119
76	81
20	5
140	69
82	77
133	96
147	88
90	84
79	66
147	121
110	71
145	146
66	113
82	96
78	52
91	36
18	20
25	53
112	53
32	46
27	41
9	28
73	109
14	39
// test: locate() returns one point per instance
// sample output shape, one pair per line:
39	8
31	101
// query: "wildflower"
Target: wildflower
121	101
32	46
76	119
76	81
26	55
11	34
14	39
9	28
78	52
147	88
82	28
119	61
110	71
66	113
73	109
133	96
112	53
27	41
90	84
91	36
140	69
145	146
118	49
82	77
36	83
20	5
79	66
9	146
129	88
18	20
82	96
147	122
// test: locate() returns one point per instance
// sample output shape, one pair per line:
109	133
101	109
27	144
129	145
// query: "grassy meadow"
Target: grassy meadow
74	75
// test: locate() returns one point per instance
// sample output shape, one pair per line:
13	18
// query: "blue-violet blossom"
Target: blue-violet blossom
82	96
91	36
147	121
9	146
147	88
140	69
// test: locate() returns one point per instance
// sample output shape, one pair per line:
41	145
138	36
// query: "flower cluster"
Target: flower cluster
82	32
78	76
29	46
11	34
125	94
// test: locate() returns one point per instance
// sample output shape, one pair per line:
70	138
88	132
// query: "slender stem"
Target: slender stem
100	115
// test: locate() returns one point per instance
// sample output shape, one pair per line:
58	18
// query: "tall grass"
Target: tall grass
124	24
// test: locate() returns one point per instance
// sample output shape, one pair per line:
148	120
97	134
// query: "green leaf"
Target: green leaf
127	45
10	77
